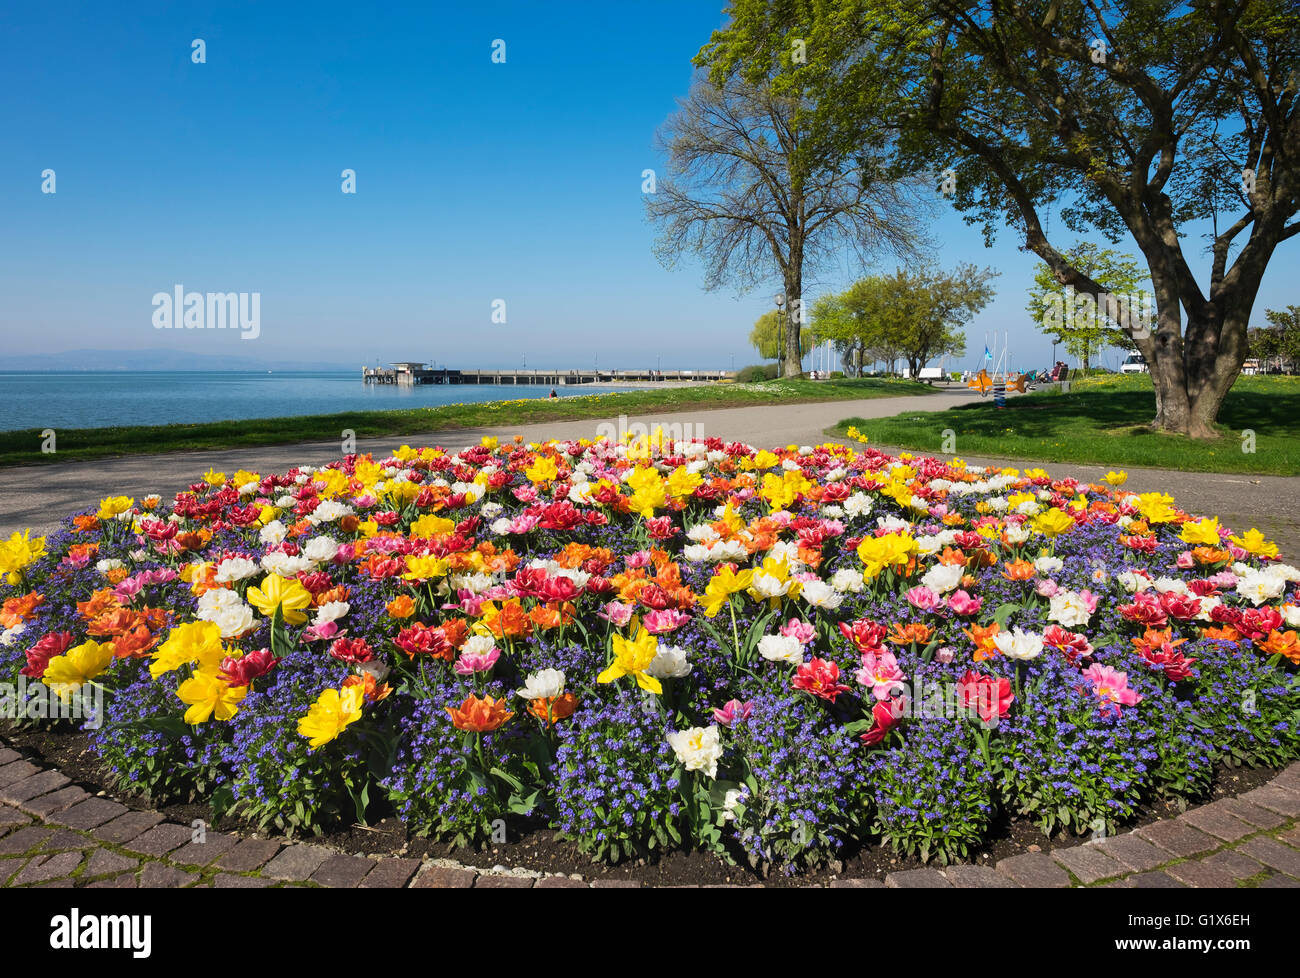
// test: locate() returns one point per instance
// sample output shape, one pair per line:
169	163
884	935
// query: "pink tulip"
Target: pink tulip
732	711
1111	686
616	612
1185	561
1047	587
659	622
962	603
800	631
923	598
880	671
472	662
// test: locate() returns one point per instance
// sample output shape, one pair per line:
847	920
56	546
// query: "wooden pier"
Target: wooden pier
412	374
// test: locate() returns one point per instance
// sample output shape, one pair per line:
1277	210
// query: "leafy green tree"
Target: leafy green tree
768	336
1135	118
1283	336
1087	323
916	315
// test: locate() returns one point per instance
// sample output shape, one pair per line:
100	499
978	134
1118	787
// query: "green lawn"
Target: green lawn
24	447
1102	420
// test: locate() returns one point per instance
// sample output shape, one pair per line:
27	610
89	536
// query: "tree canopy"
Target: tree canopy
1137	118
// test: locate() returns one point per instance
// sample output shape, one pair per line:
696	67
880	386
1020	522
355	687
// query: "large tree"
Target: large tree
1143	117
757	193
1087	323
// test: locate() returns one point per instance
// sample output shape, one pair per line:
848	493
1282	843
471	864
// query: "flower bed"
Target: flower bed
765	654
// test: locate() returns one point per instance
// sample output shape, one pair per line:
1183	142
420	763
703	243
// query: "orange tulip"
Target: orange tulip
15	610
1018	570
373	692
87	523
554	707
400	607
1222	633
479	714
952	557
916	632
508	621
982	636
1285	644
1210	555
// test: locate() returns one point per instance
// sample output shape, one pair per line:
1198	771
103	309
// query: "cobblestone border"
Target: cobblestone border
55	834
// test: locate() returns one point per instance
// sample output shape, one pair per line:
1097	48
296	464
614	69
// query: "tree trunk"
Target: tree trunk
793	325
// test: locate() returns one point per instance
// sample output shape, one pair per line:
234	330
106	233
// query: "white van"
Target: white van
1133	364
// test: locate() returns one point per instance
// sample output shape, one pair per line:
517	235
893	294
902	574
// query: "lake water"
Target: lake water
100	400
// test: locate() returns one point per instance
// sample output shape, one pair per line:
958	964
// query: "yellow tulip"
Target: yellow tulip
278	592
208	697
193	642
78	665
631	658
331	714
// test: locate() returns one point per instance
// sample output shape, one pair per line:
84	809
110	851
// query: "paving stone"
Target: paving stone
8	756
24	840
160	840
1201	874
1273	854
103	861
1217	821
56	801
296	863
1178	839
126	827
1253	814
67	839
43	868
1129	850
41	783
225	881
976	877
9	866
157	876
1034	869
89	814
248	855
1275	799
390	873
1279	883
16	771
1088	863
11	818
1235	863
849	884
443	878
917	879
636	884
63	883
1154	881
1289	779
563	882
342	872
124	882
494	881
1291	836
213	847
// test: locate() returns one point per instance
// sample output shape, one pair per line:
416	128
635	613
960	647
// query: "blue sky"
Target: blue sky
475	181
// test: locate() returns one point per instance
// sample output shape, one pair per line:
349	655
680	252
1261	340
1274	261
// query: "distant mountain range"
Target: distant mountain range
155	359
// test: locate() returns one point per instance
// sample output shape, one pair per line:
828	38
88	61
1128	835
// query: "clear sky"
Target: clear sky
475	181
